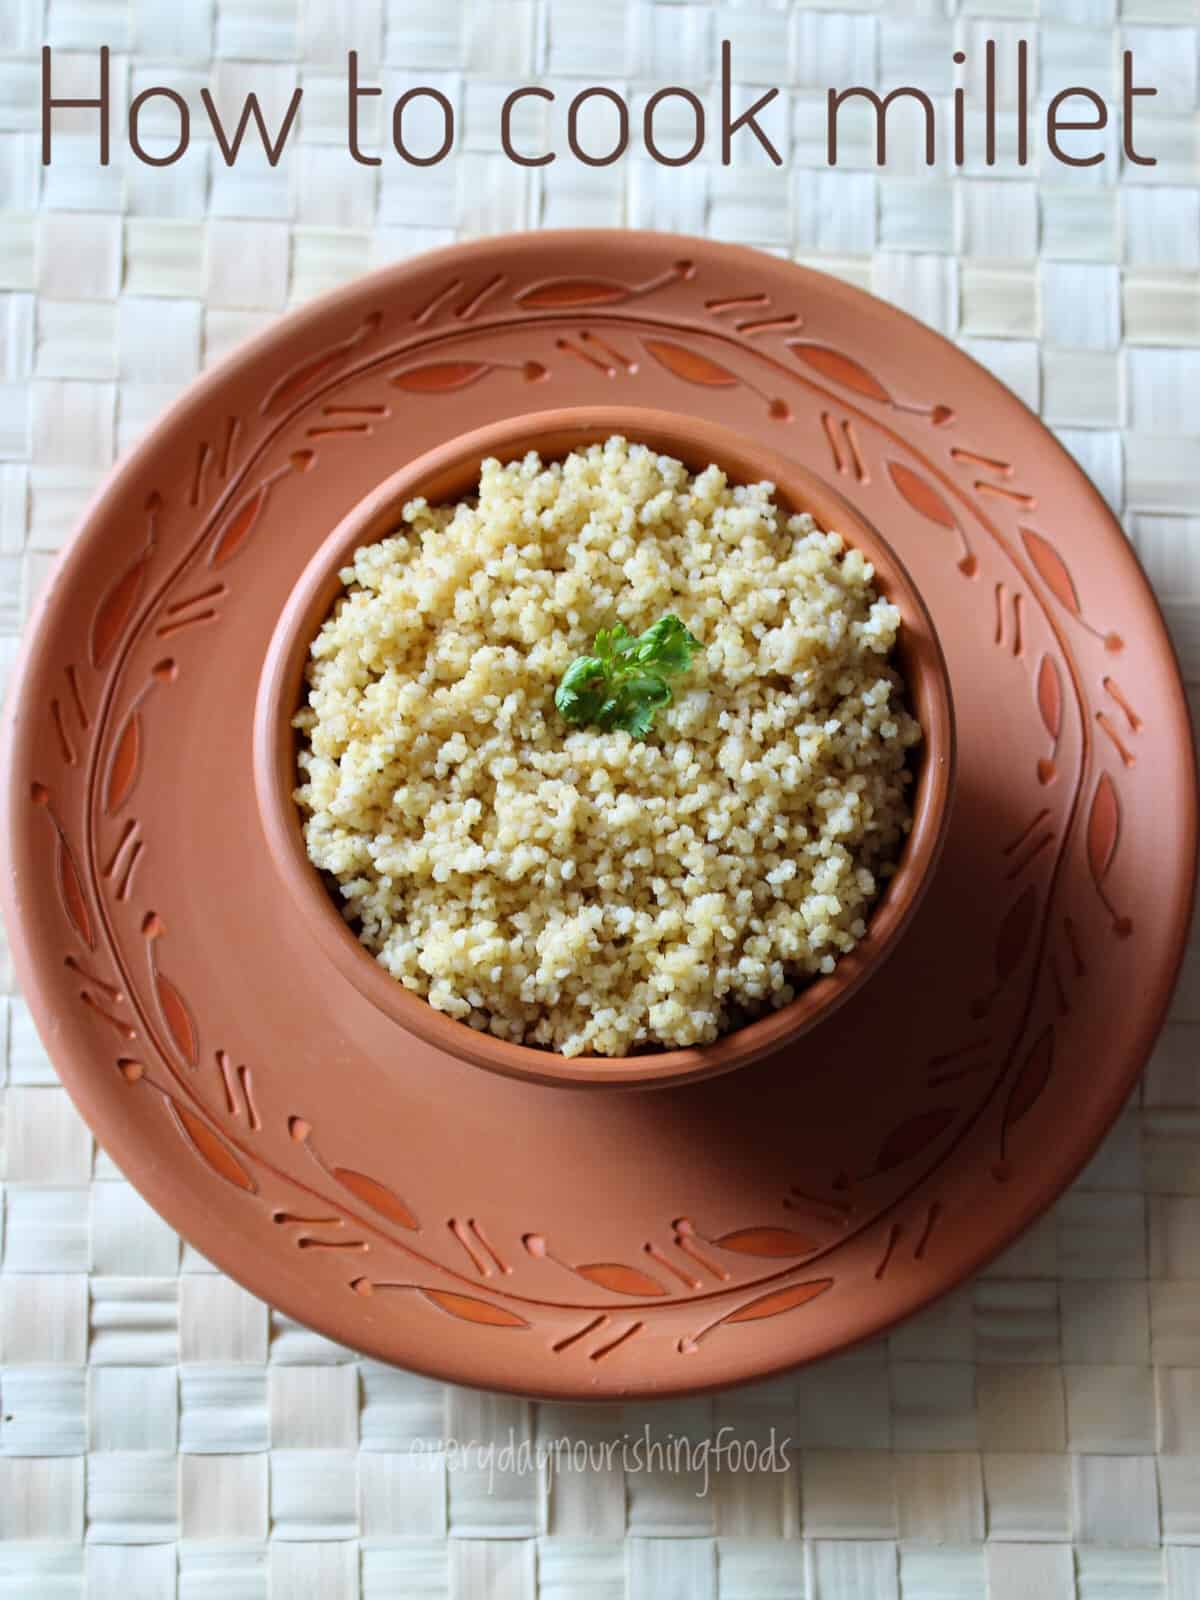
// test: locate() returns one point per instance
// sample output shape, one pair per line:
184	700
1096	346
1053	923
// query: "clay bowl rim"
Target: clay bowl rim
451	469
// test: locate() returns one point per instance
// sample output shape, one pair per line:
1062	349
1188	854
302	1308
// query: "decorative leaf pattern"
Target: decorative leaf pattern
1103	836
913	1136
294	383
115	610
570	293
620	1279
439	376
766	1242
469	1309
70	883
690	365
611	1275
702	370
1013	936
1050	707
924	499
214	1152
376	1195
125	764
851	374
780	1300
70	886
177	1018
1032	1078
1104	826
921	495
1049	696
1015	932
841	369
238	526
772	1304
1052	569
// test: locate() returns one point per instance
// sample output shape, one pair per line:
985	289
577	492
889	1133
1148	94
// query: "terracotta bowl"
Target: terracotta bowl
452	470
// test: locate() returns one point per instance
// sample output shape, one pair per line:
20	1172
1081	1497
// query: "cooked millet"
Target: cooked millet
579	889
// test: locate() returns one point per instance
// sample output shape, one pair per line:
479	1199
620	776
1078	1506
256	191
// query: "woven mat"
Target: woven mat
1035	1436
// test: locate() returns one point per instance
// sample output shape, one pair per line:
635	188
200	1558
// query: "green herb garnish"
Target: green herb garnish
624	681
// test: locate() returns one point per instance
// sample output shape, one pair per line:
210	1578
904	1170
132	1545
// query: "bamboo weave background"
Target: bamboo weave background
1036	1436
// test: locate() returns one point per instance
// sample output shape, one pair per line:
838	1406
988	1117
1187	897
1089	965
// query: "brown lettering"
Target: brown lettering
185	126
599	93
730	126
506	144
48	105
652	105
1022	103
1054	126
354	92
447	110
882	106
251	111
1127	98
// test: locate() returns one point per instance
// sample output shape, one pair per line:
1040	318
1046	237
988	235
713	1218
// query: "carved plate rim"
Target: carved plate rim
87	1087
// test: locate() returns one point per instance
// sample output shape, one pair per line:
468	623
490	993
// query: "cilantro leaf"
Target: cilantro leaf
622	683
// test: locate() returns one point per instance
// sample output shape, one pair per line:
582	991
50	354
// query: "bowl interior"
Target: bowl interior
451	471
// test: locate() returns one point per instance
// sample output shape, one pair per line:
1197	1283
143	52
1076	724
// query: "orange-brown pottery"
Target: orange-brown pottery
266	1088
450	471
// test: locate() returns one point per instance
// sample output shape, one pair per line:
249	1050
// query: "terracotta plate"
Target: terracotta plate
595	1244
